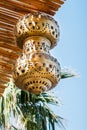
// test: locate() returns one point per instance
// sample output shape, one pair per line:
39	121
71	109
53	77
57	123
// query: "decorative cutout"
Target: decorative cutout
36	70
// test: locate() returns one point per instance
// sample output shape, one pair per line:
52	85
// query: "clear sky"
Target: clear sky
71	53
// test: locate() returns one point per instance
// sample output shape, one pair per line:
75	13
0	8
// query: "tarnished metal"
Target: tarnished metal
36	70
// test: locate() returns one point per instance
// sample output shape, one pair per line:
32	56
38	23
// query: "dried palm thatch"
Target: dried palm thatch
10	12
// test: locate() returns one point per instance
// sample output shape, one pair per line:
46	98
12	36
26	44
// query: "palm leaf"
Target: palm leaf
67	73
32	111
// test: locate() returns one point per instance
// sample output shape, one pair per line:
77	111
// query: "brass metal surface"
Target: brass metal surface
36	70
37	24
10	13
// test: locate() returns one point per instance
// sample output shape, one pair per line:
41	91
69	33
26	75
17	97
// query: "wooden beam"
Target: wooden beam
5	75
10	12
1	91
10	46
4	79
7	40
46	5
9	54
58	1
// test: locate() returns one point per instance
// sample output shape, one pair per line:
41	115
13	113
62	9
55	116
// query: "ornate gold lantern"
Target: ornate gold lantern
36	33
36	70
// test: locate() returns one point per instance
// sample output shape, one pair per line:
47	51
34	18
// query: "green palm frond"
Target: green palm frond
20	110
28	111
67	73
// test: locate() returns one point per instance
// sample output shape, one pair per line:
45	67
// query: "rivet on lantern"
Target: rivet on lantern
36	70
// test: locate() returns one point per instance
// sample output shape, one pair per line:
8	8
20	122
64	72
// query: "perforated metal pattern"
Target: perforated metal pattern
10	12
36	70
37	24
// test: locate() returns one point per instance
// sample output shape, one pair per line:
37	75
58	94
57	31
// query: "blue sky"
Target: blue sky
71	53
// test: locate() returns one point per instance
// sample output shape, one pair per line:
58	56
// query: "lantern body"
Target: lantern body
36	70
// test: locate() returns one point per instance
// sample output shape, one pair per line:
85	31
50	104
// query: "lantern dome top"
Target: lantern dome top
37	24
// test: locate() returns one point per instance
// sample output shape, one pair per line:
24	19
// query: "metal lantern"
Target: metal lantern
36	33
36	70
